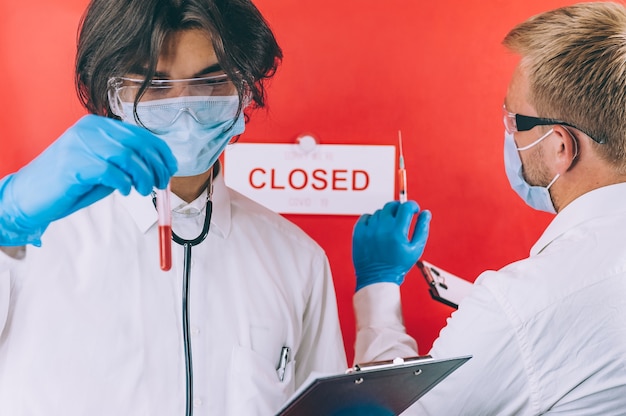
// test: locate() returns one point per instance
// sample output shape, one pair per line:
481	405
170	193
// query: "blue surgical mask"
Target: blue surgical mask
197	129
537	197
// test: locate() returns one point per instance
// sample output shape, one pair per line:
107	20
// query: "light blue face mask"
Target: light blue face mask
537	197
196	128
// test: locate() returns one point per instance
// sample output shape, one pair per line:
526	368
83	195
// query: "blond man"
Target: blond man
547	333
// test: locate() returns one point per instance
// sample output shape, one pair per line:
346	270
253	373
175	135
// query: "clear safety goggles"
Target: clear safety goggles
207	100
127	89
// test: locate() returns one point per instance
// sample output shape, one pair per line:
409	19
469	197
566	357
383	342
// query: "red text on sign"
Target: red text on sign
318	179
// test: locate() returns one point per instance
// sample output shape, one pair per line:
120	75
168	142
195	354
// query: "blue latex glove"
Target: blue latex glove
381	250
94	157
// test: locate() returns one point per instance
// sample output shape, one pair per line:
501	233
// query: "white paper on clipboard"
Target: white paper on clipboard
444	286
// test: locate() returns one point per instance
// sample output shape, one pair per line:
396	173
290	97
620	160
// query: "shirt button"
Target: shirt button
195	331
197	402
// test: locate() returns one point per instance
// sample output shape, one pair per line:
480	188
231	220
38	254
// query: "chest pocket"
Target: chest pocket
5	296
254	388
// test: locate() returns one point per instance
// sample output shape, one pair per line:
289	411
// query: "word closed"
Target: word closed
316	179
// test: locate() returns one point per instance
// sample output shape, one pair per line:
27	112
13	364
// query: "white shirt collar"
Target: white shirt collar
604	201
143	213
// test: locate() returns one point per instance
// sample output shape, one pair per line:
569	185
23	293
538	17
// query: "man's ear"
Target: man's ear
564	146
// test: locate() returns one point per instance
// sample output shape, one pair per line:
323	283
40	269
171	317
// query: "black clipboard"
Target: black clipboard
388	387
443	286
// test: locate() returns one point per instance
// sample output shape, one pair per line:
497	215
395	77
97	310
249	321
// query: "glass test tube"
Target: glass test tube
164	212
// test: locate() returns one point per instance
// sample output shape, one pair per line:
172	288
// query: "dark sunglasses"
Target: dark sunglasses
517	122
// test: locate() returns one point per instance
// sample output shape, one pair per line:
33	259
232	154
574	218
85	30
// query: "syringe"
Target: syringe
164	213
401	172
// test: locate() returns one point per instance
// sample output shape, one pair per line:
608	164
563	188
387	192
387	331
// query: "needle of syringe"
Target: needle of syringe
401	172
165	227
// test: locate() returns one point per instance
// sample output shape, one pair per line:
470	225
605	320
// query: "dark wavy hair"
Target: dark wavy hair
116	36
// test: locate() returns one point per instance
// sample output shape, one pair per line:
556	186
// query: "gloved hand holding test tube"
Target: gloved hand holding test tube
164	213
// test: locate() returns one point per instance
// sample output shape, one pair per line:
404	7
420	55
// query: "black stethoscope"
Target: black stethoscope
187	245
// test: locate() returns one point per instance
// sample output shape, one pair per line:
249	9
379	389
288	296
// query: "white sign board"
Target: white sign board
323	179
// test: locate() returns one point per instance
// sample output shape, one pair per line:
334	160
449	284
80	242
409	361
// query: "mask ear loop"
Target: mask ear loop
558	175
528	146
549	132
574	140
573	158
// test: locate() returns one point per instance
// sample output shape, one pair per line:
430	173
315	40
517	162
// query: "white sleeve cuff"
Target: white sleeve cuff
380	329
378	304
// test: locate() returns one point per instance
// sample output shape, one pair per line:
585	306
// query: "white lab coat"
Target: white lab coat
547	334
90	325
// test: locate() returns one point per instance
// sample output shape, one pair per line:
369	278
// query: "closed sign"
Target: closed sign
323	179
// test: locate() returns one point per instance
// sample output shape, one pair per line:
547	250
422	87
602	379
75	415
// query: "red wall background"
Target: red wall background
354	72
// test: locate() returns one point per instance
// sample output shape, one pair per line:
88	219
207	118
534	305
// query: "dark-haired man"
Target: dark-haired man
89	324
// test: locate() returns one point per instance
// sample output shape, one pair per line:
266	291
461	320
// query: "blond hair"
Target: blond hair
575	59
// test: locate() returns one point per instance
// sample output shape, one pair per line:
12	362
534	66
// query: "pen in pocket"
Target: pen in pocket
282	363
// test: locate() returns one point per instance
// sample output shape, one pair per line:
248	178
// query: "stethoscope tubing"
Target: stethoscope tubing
187	245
